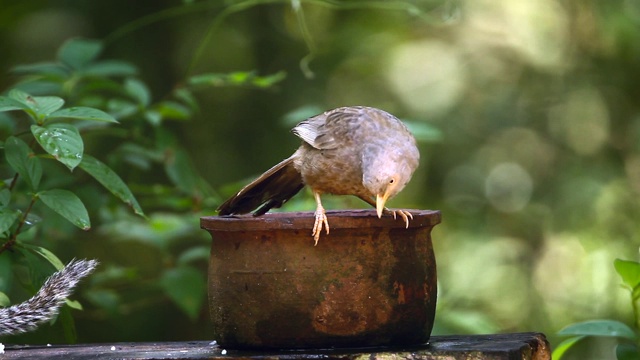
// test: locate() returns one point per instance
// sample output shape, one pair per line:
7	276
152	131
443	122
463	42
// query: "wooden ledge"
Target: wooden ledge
525	346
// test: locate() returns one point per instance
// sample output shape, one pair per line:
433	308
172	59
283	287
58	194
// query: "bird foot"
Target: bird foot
404	214
321	219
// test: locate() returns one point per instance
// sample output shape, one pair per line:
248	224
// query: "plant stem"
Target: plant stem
12	240
13	181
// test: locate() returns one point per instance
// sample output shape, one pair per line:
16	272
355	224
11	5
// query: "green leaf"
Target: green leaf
111	181
45	105
83	113
74	304
9	104
110	68
68	205
62	141
238	78
39	107
44	253
138	90
7	218
629	271
609	328
4	300
22	159
76	53
269	80
22	97
172	110
424	132
564	346
186	287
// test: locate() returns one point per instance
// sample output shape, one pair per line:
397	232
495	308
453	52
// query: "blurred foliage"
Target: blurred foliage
626	340
527	112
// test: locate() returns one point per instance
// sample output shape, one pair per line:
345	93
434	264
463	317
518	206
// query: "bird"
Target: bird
354	150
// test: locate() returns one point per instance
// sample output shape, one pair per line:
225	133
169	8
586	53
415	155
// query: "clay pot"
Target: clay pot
370	282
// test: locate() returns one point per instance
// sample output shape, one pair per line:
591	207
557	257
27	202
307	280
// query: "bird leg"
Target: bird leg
321	219
404	214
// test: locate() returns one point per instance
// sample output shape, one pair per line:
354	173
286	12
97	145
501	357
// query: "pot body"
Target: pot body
370	282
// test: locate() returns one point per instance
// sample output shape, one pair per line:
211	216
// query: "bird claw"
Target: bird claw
404	214
321	219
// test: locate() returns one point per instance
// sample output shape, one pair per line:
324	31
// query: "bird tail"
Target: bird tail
44	305
270	190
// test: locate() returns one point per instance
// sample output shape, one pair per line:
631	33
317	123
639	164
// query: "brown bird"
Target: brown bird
354	150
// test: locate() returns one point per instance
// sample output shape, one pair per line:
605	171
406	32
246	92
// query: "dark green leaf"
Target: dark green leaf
6	270
62	141
111	181
629	271
76	53
138	91
181	172
122	108
186	96
110	68
68	205
609	328
5	197
43	68
627	352
83	113
186	287
564	346
7	218
198	253
22	159
106	299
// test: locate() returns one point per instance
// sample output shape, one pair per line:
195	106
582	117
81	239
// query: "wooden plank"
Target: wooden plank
520	346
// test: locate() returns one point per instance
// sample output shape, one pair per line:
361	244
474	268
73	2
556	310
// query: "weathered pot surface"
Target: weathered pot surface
369	282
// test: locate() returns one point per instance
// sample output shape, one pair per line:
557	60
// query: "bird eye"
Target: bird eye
392	181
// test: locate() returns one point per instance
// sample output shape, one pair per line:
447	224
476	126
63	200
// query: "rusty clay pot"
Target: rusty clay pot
370	282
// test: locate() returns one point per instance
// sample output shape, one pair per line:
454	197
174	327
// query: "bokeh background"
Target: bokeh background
527	114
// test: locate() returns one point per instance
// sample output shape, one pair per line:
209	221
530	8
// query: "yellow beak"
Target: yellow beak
380	201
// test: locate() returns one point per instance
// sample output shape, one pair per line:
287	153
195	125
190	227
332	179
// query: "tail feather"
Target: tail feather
270	190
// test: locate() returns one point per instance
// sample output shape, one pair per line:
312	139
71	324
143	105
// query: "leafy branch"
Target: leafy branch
62	142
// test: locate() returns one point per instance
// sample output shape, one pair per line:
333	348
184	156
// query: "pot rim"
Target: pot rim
338	219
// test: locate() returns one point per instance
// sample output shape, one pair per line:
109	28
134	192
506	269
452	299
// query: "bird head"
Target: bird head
385	179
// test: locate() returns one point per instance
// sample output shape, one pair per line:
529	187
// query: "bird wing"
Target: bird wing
321	131
270	190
